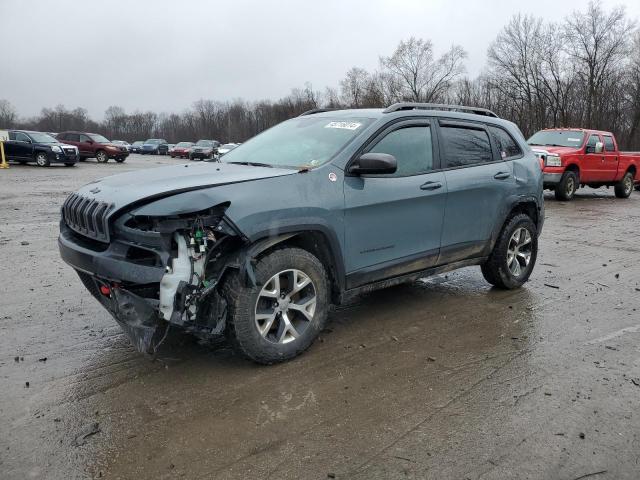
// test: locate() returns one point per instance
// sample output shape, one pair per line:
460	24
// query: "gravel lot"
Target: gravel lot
446	378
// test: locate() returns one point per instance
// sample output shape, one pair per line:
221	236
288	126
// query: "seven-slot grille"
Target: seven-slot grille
87	216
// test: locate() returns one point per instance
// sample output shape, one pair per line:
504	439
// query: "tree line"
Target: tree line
583	71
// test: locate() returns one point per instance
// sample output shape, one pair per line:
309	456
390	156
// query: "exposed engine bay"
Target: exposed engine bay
194	251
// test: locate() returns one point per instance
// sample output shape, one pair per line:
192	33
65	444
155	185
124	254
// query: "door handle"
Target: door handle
502	175
430	186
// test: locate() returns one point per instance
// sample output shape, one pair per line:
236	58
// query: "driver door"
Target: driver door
593	166
393	222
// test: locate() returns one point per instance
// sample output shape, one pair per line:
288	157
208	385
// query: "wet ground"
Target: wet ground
446	378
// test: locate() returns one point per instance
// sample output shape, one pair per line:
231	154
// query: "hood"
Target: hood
556	150
138	186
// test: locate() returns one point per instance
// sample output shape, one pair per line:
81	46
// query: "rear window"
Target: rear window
465	146
507	146
609	146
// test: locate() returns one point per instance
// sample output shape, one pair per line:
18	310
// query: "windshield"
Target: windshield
557	138
184	144
153	141
302	142
228	146
139	142
42	138
205	143
98	138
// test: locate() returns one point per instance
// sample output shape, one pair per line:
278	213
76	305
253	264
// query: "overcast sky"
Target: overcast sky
162	55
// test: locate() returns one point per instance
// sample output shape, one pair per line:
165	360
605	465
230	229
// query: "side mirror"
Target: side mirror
374	164
599	147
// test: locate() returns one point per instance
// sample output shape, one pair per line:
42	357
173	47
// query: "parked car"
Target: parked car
204	149
25	146
122	143
310	212
136	147
181	150
155	146
93	145
574	157
226	148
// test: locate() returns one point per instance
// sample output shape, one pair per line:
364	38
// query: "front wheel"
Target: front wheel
282	315
102	157
566	189
624	187
42	160
514	254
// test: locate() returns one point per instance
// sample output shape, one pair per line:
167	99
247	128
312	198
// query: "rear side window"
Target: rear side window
62	136
609	146
72	137
507	146
412	148
465	146
84	138
21	137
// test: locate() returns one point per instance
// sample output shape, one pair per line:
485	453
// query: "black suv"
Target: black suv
312	211
25	146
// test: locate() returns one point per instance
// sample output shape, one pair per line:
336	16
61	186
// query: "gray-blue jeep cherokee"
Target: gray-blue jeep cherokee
318	208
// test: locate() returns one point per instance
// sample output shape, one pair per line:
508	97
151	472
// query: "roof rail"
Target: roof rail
438	106
315	110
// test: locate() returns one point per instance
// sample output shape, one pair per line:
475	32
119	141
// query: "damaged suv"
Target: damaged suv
310	212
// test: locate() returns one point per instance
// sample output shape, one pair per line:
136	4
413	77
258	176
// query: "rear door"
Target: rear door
610	165
478	167
393	222
18	147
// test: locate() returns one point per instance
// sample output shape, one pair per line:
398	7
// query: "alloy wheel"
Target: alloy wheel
41	160
285	306
519	251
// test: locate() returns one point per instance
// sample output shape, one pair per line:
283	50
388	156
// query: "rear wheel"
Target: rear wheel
280	317
624	187
514	254
566	189
42	160
101	156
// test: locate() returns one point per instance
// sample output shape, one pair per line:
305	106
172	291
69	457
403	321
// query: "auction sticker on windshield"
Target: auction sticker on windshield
343	125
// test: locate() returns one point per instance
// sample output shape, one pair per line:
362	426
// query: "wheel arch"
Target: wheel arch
528	206
316	239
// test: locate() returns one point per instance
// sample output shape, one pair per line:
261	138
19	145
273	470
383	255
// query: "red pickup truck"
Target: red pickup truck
575	157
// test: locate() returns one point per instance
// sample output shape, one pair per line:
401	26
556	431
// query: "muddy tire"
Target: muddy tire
101	156
566	189
42	160
514	254
624	187
280	317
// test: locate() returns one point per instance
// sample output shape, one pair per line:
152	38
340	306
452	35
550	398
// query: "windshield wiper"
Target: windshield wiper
253	164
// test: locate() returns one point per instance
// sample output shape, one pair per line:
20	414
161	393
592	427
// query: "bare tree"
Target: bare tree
415	74
8	114
598	43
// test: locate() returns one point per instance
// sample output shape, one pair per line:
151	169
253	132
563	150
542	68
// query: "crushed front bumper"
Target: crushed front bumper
137	316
